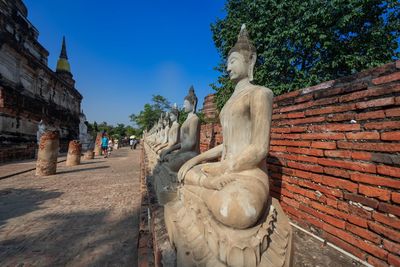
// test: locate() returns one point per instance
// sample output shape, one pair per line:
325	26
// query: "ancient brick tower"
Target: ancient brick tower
29	90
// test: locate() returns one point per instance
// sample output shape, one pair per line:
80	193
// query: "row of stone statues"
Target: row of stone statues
218	210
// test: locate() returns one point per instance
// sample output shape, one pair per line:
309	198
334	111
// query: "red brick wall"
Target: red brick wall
334	161
209	107
17	152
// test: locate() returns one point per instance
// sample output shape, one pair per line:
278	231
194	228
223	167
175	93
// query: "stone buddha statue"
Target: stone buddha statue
42	127
84	137
224	215
164	132
173	133
150	134
188	147
157	136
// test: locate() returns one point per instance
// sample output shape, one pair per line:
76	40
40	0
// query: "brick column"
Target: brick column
48	152
74	153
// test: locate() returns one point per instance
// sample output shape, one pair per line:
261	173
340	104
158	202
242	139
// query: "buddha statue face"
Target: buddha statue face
172	117
240	67
237	67
188	107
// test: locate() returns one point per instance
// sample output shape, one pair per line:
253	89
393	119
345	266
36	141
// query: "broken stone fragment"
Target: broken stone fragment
74	153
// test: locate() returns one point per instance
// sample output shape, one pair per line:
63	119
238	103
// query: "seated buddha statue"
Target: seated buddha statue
150	137
173	133
224	215
175	156
164	132
159	132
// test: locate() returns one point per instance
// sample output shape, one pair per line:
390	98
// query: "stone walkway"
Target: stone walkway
85	215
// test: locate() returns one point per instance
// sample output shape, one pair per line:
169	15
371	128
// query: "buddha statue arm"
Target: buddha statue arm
261	114
161	147
169	150
211	154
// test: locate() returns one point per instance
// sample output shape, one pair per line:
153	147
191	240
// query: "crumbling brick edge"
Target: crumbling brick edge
154	248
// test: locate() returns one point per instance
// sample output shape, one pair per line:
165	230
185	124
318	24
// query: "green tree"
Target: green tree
151	112
304	42
105	127
95	127
119	130
129	130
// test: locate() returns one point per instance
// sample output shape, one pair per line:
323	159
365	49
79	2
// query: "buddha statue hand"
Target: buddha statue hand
163	155
217	183
185	168
215	169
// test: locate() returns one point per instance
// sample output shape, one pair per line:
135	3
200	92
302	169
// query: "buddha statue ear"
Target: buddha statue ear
252	63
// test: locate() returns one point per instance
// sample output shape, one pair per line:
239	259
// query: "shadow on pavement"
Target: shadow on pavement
75	239
22	201
81	170
92	162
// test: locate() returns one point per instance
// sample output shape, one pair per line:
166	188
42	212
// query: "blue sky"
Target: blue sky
123	52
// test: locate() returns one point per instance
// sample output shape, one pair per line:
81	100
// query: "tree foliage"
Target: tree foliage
117	132
304	42
151	112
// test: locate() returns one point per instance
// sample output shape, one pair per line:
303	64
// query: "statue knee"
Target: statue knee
236	206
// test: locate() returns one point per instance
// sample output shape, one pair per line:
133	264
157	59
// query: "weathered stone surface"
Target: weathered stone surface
97	145
48	152
89	154
74	153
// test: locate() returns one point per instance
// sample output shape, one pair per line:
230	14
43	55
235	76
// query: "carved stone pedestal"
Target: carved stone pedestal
164	181
48	152
165	185
200	240
74	153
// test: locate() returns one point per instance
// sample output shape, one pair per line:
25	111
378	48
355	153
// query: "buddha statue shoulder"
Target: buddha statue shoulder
188	147
227	203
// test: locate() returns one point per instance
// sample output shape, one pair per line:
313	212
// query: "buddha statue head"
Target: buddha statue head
174	114
190	102
241	58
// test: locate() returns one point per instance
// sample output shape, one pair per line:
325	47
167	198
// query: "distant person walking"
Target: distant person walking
104	144
110	147
131	143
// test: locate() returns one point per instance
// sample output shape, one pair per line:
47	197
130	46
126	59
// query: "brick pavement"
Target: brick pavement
85	215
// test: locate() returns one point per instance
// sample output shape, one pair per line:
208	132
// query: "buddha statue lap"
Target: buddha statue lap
224	215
